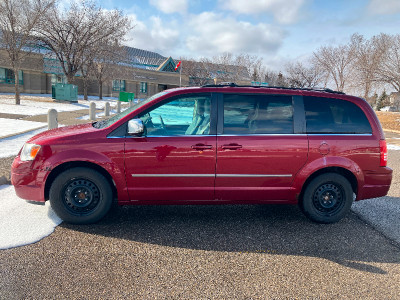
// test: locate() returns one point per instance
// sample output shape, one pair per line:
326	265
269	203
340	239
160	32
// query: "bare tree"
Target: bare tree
197	71
365	67
337	62
72	33
18	21
228	67
109	62
389	67
302	76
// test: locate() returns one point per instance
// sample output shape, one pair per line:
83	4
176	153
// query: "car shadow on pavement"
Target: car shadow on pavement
263	229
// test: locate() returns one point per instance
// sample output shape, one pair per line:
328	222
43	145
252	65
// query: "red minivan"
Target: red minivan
217	144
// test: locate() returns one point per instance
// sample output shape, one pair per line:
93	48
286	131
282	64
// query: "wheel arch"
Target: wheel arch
338	170
82	164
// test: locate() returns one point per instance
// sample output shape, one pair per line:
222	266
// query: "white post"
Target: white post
52	121
92	111
107	109
118	106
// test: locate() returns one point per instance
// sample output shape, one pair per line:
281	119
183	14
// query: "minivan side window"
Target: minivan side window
258	114
335	116
188	115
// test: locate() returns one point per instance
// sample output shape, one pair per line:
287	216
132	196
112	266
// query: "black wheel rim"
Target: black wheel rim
329	198
81	196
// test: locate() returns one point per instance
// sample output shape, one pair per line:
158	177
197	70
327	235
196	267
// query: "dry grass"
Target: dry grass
389	120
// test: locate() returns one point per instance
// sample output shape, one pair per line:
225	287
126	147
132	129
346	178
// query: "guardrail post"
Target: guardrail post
52	121
118	106
107	109
131	103
92	111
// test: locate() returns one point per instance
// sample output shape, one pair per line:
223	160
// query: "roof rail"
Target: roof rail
222	84
232	84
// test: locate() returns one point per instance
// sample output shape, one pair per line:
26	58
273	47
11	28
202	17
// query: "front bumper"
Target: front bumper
28	182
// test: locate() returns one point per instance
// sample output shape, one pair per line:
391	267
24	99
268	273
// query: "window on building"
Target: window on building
7	76
119	85
56	78
143	87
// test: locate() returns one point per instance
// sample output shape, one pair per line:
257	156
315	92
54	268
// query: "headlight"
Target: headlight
29	152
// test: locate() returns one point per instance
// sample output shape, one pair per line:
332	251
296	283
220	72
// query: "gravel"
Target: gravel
384	213
5	169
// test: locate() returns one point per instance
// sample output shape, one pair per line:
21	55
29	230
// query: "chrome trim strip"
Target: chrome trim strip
173	175
266	134
340	134
182	135
212	175
254	175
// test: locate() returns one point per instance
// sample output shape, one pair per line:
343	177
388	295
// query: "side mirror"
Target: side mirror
135	127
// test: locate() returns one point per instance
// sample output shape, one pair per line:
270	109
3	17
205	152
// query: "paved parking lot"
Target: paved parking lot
201	252
240	252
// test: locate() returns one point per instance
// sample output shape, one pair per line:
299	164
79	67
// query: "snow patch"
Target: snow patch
10	146
21	222
393	147
33	108
12	127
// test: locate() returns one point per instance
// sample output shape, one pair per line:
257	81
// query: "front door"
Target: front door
175	160
258	151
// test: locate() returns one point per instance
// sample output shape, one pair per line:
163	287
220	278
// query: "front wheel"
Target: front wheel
81	196
327	198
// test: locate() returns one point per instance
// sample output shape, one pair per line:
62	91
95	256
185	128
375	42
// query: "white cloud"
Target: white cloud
170	6
284	11
384	7
155	37
212	34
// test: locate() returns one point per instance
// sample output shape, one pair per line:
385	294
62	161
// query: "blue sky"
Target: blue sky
277	30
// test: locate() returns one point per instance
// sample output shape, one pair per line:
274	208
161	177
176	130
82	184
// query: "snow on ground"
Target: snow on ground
21	222
10	146
11	126
393	147
32	108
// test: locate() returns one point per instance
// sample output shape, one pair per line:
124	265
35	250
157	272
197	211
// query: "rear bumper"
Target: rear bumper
28	183
375	184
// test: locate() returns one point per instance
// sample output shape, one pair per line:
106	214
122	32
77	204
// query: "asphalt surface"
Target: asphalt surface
209	252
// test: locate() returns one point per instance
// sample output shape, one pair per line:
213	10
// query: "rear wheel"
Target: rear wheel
81	196
327	198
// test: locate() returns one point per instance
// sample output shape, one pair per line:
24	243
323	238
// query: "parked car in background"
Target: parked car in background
216	144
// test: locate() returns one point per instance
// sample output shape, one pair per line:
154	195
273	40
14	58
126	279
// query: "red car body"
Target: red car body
212	169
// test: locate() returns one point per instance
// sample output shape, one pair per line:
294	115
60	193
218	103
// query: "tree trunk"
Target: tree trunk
100	90
70	78
85	88
17	96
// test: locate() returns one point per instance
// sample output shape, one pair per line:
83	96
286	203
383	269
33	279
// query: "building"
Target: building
144	74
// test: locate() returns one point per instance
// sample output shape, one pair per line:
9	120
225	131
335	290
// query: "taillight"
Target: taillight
384	153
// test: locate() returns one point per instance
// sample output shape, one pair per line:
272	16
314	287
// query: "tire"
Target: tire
327	198
81	196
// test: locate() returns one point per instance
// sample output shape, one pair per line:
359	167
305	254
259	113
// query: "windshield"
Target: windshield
112	120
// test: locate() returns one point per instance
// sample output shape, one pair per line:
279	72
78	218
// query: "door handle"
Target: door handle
231	147
201	147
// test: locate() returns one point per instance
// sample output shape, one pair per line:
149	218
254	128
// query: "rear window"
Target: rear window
327	115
